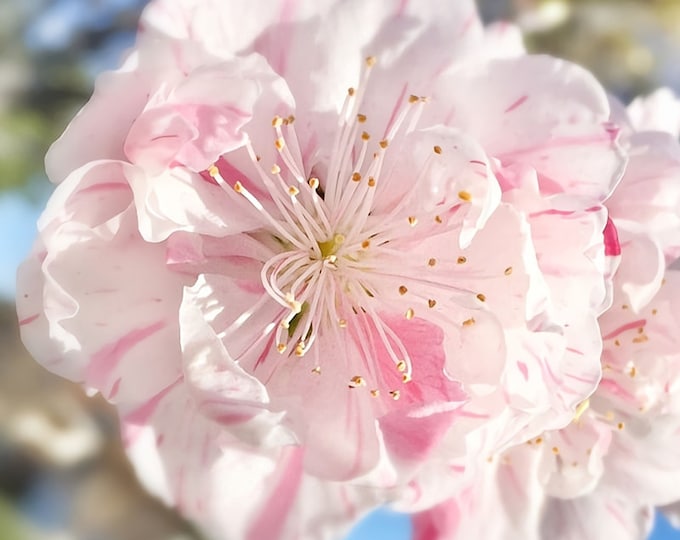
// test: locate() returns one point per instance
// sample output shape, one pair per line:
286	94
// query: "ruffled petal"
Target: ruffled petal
191	463
648	198
222	390
82	141
104	294
180	200
571	146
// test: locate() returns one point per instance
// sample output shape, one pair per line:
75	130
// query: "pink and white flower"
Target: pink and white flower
616	461
326	243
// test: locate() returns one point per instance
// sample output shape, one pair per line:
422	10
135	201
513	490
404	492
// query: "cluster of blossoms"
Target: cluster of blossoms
328	255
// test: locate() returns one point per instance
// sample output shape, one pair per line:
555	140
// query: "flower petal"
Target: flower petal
106	295
571	145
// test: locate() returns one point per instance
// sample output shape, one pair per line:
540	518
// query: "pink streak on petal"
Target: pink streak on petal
28	320
104	186
621	329
265	352
114	389
612	129
612	247
516	104
468	24
614	388
134	421
523	368
104	361
575	351
559	142
413	439
274	511
551	212
616	514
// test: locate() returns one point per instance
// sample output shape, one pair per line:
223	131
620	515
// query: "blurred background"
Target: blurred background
62	473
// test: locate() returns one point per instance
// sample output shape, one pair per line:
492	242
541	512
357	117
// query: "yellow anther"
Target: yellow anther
275	169
402	290
412	221
401	366
409	314
464	196
481	297
277	121
461	260
357	380
281	347
431	262
356	177
213	171
469	322
508	271
437	149
431	303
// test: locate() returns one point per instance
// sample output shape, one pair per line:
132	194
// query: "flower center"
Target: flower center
336	255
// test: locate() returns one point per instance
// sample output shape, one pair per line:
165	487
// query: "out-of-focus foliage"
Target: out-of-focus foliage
51	50
631	45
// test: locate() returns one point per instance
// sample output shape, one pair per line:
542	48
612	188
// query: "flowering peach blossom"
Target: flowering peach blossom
330	251
605	471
